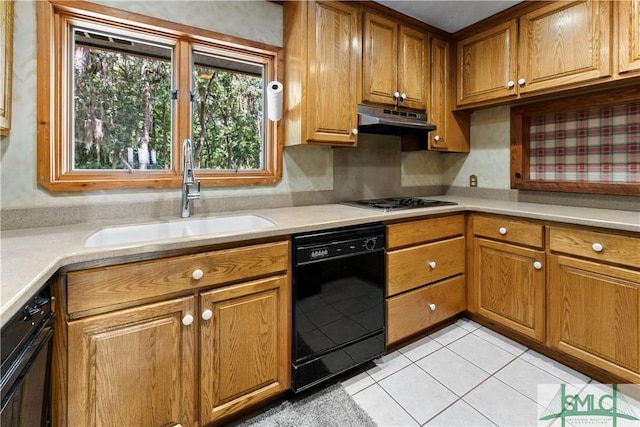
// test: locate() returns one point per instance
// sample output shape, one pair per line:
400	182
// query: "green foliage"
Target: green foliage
121	98
227	128
112	91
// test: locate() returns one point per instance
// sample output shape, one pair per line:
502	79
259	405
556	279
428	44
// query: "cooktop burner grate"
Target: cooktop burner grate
397	203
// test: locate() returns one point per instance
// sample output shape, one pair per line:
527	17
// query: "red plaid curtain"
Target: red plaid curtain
591	145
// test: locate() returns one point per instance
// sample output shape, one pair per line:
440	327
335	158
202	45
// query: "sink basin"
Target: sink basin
174	229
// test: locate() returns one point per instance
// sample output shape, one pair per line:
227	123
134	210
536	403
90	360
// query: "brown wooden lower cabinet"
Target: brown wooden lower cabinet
425	274
570	290
193	357
145	367
133	367
419	309
594	314
243	347
508	286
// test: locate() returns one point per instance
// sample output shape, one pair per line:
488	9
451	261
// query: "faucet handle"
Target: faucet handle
192	195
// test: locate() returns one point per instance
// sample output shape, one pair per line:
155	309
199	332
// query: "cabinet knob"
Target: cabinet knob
403	96
537	265
436	138
510	84
207	314
432	306
521	82
502	230
432	264
396	95
187	320
197	274
597	247
354	131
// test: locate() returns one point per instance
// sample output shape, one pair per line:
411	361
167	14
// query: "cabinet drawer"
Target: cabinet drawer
509	230
412	312
418	265
595	245
414	232
122	284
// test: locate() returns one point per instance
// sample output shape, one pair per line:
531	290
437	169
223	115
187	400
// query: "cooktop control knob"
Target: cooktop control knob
370	244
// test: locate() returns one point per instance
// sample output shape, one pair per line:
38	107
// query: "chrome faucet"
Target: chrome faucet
188	178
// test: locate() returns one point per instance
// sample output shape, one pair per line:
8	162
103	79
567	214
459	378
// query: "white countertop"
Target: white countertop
29	257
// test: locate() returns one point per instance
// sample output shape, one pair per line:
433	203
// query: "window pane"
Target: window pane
121	102
228	128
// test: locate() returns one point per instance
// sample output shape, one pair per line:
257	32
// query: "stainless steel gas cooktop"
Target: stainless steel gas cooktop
397	203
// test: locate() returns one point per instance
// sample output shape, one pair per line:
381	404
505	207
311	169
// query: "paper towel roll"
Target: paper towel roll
274	100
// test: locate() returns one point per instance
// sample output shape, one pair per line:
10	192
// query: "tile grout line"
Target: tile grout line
459	398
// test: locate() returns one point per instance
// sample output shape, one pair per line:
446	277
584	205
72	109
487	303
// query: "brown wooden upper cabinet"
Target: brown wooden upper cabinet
452	133
396	64
561	44
628	17
322	41
486	63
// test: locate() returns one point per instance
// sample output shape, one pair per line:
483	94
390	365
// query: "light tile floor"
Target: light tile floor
461	375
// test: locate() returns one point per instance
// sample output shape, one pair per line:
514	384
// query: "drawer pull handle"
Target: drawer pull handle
597	247
537	265
207	314
502	230
432	306
432	264
197	274
187	320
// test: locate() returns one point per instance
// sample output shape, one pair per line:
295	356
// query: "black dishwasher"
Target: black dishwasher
338	302
26	360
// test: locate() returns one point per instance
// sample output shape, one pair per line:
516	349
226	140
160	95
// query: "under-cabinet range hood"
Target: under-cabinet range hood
389	121
410	125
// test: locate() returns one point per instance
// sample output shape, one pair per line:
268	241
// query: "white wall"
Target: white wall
489	158
306	169
244	19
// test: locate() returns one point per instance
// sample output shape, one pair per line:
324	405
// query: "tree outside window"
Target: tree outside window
120	95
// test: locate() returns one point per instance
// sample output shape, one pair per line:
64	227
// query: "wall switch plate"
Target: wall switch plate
473	181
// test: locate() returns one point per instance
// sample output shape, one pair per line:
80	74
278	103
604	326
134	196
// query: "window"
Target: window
585	144
116	98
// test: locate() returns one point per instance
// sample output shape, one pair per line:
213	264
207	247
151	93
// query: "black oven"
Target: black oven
338	302
26	357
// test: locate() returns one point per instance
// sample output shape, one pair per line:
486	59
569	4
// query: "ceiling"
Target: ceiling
451	15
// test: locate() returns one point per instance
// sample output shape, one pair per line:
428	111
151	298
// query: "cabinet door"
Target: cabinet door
564	43
6	67
333	73
628	36
594	314
244	346
452	133
508	288
380	64
413	65
487	63
133	367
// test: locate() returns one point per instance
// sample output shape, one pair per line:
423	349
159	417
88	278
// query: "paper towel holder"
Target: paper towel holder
274	100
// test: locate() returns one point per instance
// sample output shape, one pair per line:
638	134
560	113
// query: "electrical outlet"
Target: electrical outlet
473	181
